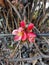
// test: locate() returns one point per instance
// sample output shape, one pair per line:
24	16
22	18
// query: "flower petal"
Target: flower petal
31	37
18	33
15	32
17	38
24	37
30	26
22	24
20	29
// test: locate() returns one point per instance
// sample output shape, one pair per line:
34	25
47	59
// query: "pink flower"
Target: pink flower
19	34
24	32
24	36
31	37
22	24
30	26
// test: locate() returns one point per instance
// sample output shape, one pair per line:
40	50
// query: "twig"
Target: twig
26	59
7	26
44	56
14	9
44	4
42	37
11	55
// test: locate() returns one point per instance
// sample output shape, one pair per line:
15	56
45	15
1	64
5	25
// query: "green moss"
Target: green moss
11	47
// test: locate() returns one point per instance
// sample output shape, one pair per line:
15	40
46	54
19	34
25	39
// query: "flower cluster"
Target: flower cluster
24	32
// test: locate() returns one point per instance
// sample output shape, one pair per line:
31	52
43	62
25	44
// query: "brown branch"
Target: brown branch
44	56
42	37
2	3
16	11
12	55
7	26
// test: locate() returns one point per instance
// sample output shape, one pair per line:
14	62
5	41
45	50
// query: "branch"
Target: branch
14	52
14	9
42	37
43	56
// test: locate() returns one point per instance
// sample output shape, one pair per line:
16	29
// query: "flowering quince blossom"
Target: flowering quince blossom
31	36
30	26
24	33
20	34
22	24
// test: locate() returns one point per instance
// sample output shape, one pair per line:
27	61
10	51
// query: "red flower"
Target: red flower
22	24
24	36
22	32
30	26
31	37
19	34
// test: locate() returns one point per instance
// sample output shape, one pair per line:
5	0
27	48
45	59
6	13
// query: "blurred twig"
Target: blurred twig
14	9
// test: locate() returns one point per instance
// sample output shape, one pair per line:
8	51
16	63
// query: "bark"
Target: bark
2	3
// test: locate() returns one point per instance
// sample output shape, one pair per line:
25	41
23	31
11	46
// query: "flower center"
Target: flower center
19	33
